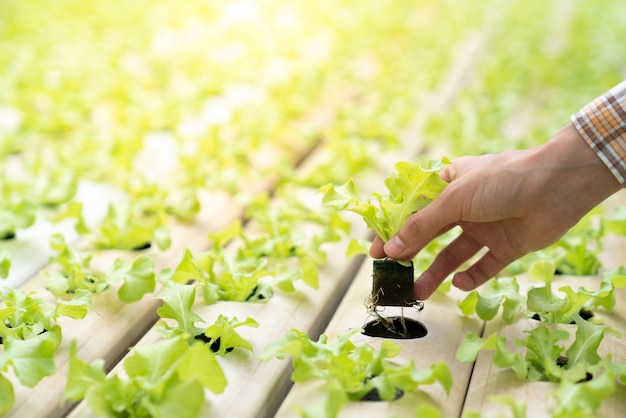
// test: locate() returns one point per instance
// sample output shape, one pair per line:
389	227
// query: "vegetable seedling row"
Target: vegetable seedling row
115	325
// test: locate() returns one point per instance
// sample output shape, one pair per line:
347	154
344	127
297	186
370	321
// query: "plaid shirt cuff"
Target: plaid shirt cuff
602	123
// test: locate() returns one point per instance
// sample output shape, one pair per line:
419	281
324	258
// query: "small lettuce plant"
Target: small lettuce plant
411	187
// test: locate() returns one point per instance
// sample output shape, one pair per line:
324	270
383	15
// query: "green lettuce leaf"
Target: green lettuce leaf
411	187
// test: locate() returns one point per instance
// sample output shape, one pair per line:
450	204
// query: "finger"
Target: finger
458	168
481	271
423	226
448	260
448	173
376	249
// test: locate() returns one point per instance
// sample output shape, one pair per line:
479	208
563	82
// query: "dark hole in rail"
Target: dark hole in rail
143	246
214	345
7	236
374	396
584	314
396	329
561	361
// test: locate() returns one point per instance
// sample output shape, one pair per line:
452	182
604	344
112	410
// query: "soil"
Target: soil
392	284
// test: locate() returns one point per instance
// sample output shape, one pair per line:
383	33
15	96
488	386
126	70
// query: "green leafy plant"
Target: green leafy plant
542	302
32	359
5	263
351	371
53	186
74	273
411	187
164	379
17	210
550	307
249	272
72	210
583	399
74	270
544	359
221	336
30	336
576	368
132	227
500	292
25	315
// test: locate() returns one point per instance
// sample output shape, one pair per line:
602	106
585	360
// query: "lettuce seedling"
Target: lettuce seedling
30	336
499	292
411	187
544	358
541	302
75	273
549	307
577	369
24	315
352	371
132	227
54	187
242	273
31	359
221	337
165	379
15	213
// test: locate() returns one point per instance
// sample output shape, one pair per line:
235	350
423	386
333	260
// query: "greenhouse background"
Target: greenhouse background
166	248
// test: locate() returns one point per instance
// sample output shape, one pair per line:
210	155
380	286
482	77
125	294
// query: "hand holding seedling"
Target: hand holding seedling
511	204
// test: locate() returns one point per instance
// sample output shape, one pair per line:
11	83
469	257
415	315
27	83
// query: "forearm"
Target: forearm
570	176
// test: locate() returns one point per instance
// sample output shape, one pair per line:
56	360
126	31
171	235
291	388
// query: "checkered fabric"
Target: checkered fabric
602	123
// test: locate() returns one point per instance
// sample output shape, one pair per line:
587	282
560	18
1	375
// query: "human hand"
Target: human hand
511	203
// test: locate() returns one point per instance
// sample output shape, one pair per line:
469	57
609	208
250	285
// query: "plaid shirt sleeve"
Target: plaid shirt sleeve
602	123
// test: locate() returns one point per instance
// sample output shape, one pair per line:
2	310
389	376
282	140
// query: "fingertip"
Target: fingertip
464	281
377	249
395	247
446	173
425	286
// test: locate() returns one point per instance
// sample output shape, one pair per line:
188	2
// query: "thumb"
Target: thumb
421	228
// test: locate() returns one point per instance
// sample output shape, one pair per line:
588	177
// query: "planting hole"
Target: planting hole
214	345
584	314
562	361
143	246
374	396
7	236
395	327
